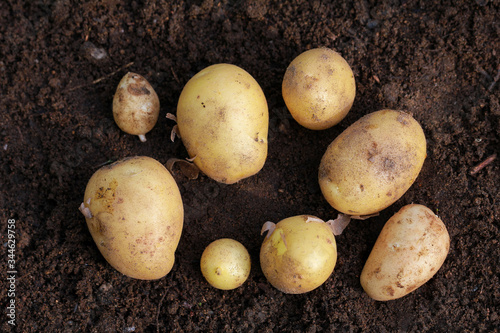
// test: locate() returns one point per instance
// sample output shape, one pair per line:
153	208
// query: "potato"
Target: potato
372	163
298	254
223	121
319	88
135	105
134	213
410	249
225	264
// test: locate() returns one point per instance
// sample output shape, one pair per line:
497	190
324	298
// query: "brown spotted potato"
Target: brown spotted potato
319	88
410	249
135	105
373	162
134	213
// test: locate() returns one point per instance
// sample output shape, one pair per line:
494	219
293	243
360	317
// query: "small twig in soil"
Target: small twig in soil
102	77
175	75
483	164
495	80
20	134
483	72
158	312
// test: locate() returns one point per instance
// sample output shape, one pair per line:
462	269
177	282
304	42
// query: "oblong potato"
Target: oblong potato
298	254
319	88
373	162
223	120
136	105
134	213
410	249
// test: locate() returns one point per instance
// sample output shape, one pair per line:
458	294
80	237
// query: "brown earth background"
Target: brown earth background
60	63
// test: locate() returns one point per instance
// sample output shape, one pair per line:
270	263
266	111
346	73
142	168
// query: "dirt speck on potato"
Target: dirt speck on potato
389	290
403	119
137	89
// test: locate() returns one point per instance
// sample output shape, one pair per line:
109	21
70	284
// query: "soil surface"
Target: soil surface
60	63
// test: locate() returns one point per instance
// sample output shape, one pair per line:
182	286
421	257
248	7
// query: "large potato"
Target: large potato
410	249
298	254
223	120
373	162
135	105
319	88
134	213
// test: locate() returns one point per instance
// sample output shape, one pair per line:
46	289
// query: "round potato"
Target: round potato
410	249
319	88
223	121
298	254
135	105
225	264
134	213
372	163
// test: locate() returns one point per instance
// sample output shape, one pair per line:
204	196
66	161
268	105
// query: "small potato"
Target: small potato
135	105
298	254
372	163
225	264
319	88
223	121
134	213
410	249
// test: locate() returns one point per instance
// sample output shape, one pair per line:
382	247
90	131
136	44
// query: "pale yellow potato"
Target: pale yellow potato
134	213
225	264
372	163
319	88
135	105
299	254
410	249
223	120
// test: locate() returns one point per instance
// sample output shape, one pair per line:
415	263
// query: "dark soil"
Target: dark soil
60	63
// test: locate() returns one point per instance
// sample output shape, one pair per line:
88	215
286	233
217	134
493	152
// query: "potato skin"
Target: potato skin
319	88
223	120
373	162
225	264
137	216
410	249
298	256
135	105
